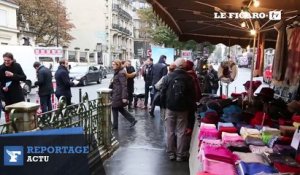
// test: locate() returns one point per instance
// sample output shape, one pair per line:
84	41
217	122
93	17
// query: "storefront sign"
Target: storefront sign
272	15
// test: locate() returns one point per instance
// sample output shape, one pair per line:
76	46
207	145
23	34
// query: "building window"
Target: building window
3	18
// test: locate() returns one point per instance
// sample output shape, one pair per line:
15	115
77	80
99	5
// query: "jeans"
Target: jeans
45	102
124	112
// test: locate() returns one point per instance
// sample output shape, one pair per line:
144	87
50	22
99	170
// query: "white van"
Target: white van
24	55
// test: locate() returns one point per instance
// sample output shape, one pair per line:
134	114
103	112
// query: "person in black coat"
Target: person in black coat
44	81
63	82
147	74
11	73
130	82
158	71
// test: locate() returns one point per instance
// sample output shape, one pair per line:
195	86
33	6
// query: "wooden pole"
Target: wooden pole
252	69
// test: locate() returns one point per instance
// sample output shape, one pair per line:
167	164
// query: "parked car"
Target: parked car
267	76
103	71
242	61
85	74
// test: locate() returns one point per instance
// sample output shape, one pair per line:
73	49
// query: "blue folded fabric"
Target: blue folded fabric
231	113
254	168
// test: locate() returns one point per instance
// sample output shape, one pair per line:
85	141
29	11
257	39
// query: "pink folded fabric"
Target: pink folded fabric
218	167
208	133
220	154
231	137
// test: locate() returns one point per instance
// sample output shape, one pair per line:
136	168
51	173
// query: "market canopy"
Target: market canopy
196	19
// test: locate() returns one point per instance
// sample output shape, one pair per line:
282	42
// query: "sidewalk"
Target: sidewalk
142	148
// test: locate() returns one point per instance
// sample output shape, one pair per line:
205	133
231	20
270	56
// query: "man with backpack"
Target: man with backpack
178	95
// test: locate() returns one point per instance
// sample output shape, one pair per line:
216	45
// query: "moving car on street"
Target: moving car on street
86	74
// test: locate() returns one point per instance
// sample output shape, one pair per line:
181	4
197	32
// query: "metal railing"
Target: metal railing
94	116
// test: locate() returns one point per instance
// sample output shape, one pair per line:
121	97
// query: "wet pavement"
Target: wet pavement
142	148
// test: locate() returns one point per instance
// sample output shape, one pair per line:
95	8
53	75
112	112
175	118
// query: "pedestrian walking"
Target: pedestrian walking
130	82
11	73
44	82
159	70
191	115
178	95
120	94
147	74
63	82
212	80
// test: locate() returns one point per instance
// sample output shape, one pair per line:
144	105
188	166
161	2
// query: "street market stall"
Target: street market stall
259	135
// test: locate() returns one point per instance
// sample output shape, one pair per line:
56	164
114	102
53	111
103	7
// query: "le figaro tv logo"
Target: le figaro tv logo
13	155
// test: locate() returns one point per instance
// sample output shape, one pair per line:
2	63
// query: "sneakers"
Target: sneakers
172	157
133	123
151	113
180	159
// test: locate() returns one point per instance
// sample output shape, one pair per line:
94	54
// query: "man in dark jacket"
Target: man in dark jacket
63	83
178	95
130	82
147	74
159	70
11	73
44	81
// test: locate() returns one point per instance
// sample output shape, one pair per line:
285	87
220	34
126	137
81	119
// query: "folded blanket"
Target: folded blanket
284	149
220	154
239	148
254	141
280	158
253	168
217	167
227	129
260	149
270	131
225	125
208	133
251	157
283	168
287	130
249	132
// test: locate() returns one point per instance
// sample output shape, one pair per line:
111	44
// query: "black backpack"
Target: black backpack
177	93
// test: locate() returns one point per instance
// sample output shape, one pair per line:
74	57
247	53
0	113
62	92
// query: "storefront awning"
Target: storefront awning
195	19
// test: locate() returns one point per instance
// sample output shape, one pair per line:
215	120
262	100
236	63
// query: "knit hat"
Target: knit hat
189	65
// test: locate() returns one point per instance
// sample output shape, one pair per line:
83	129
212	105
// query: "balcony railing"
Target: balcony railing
121	29
123	13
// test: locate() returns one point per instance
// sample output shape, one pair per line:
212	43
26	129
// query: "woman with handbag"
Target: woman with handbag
120	94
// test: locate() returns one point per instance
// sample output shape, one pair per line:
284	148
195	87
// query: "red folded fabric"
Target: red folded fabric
296	118
227	129
284	140
260	117
282	168
282	121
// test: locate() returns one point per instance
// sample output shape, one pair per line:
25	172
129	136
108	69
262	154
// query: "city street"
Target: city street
91	89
